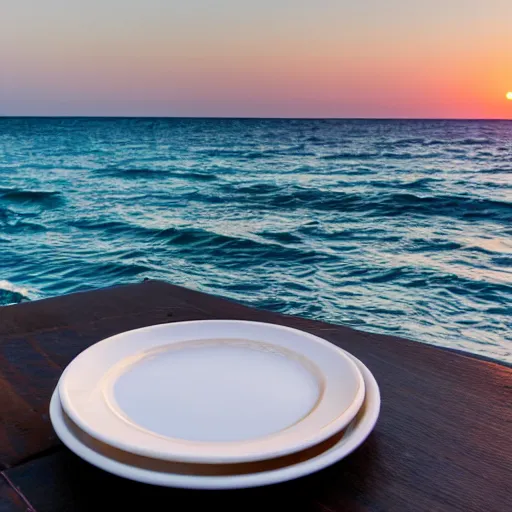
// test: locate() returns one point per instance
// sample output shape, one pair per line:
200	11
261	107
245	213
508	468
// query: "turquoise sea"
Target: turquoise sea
399	227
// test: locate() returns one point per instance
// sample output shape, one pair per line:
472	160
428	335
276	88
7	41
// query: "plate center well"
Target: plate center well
216	390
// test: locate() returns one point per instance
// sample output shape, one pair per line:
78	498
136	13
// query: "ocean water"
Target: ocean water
399	227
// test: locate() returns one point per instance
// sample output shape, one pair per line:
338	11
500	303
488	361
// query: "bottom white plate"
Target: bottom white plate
221	476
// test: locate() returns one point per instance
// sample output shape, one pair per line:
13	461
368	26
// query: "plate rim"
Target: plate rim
187	451
344	447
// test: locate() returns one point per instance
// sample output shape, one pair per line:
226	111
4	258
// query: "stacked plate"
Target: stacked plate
214	404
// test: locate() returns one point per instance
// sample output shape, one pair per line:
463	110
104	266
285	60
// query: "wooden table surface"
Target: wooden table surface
443	440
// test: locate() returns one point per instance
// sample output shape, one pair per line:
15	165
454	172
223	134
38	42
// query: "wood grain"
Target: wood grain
10	499
442	441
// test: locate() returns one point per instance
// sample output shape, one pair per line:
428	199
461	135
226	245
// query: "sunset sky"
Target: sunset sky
265	58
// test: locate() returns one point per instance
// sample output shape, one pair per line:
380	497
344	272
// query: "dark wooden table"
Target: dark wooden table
443	440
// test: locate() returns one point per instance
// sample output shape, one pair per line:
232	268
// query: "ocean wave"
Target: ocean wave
350	156
131	174
119	269
495	170
282	237
437	142
197	176
503	261
192	239
452	206
412	141
253	189
408	156
12	294
395	184
153	174
222	153
394	203
45	198
211	243
24	227
110	227
420	183
354	171
433	245
474	142
456	151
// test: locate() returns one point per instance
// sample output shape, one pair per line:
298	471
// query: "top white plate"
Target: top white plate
212	391
222	476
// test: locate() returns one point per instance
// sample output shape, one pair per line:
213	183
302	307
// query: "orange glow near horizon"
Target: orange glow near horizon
321	58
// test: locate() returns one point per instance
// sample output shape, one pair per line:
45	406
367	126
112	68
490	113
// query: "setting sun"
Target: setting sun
509	95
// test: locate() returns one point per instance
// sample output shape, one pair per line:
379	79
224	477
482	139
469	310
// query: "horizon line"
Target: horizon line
258	118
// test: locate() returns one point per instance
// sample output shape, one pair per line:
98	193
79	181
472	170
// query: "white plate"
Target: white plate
212	391
220	476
